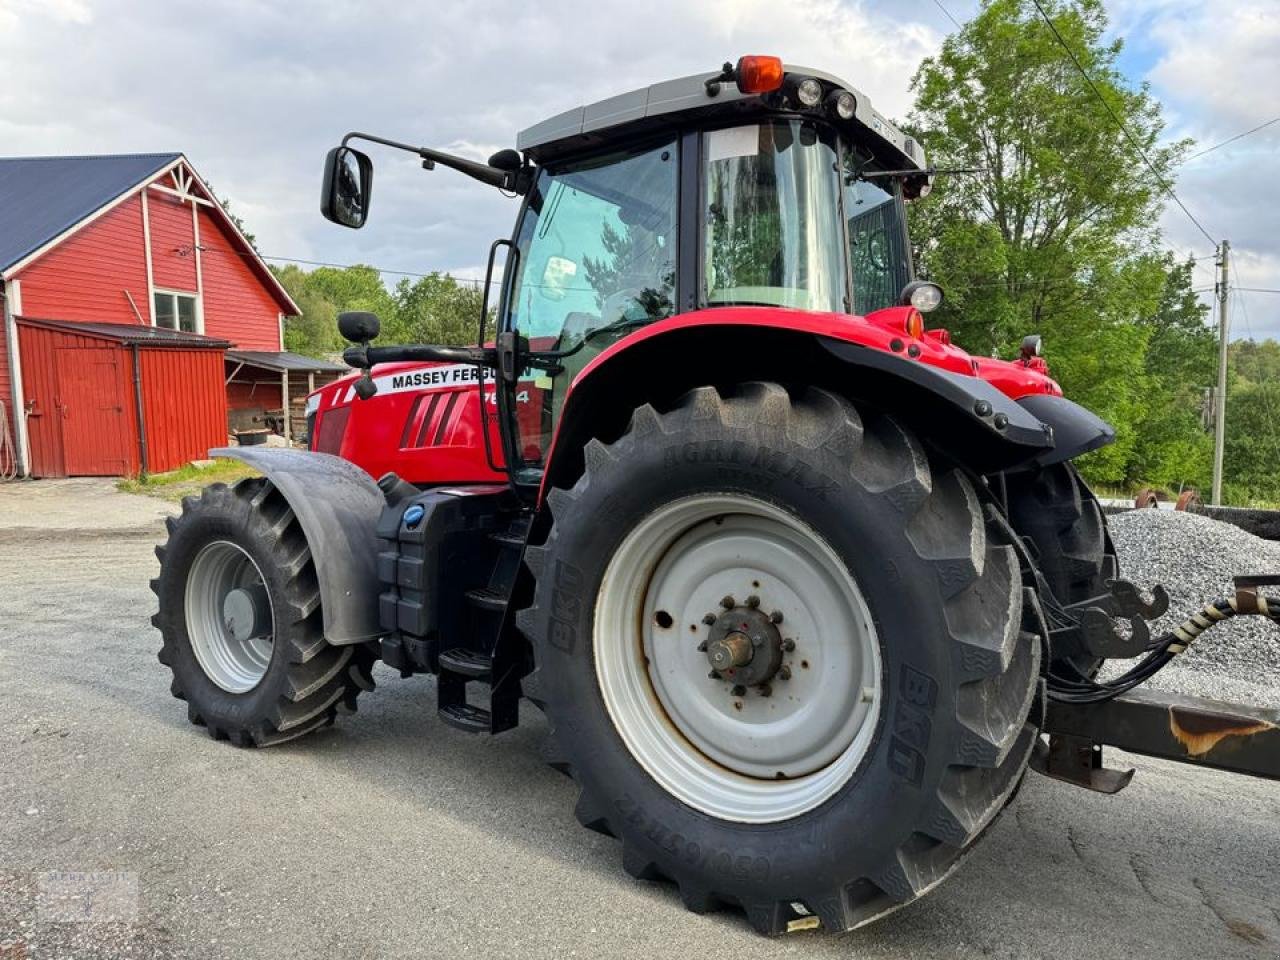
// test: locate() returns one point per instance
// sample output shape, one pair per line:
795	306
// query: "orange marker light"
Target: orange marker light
759	74
915	323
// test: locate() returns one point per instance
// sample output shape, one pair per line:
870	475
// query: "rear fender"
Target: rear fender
338	505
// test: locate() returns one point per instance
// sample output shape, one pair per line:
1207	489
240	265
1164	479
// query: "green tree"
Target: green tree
1057	235
431	309
1173	448
435	309
314	333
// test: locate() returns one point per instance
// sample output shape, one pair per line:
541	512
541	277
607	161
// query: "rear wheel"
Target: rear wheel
241	621
781	654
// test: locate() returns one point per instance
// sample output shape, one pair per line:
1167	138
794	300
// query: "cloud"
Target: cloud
255	92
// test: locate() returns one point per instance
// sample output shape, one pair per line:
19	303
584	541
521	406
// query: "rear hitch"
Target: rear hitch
1113	625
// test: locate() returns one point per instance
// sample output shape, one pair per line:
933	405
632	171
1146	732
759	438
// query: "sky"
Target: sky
254	93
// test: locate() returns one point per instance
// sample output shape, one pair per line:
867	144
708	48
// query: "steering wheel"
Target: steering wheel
617	302
878	250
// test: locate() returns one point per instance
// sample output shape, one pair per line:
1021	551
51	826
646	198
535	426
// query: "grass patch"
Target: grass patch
186	481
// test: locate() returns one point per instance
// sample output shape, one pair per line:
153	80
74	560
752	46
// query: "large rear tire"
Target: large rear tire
241	621
857	783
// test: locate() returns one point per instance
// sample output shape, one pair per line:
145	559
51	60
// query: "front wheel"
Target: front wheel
241	621
781	654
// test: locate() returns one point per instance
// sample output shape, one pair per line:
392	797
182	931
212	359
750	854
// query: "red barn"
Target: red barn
139	324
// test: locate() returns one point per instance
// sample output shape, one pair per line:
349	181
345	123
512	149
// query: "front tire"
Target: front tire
889	582
241	623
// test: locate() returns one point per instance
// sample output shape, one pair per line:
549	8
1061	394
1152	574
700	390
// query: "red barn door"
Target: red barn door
95	429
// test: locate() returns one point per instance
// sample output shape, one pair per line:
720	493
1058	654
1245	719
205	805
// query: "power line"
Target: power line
947	13
338	266
1238	136
1257	290
1120	123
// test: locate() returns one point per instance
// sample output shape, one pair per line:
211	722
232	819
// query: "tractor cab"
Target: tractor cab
761	186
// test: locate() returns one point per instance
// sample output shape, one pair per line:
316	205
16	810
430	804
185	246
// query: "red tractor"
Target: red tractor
793	578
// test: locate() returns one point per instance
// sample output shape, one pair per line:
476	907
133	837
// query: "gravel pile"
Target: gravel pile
1195	558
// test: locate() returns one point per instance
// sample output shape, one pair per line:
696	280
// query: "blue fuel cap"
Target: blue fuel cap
413	516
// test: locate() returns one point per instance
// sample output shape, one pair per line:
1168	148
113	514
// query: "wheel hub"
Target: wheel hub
246	612
744	646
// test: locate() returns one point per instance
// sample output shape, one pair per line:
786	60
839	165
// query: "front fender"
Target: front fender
964	416
1076	430
337	506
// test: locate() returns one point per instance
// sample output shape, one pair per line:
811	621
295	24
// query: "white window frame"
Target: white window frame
189	294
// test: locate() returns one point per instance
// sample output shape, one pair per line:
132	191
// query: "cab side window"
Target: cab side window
597	260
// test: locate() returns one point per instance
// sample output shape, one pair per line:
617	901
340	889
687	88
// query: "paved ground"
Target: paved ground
392	835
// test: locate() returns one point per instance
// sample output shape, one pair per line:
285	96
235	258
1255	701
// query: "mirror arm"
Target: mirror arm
509	180
364	357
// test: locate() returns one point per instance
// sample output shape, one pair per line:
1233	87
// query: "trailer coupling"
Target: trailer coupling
1084	714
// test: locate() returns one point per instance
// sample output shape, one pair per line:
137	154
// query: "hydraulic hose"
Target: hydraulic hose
1082	689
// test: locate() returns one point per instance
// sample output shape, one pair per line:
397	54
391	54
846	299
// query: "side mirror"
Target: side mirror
348	181
356	326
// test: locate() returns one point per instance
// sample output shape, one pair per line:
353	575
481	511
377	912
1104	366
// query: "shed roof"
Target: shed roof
284	362
131	334
42	197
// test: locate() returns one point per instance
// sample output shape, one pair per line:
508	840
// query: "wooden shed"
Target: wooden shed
137	241
108	399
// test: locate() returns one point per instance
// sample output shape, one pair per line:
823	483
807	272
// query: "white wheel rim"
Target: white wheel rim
234	658
747	757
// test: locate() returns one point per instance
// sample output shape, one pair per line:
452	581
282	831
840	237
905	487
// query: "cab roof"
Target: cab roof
664	105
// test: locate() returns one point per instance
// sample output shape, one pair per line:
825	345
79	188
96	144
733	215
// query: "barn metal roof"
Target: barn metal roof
130	334
285	362
41	197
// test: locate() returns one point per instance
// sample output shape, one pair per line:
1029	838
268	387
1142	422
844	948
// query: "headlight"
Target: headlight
843	104
312	405
1030	346
809	92
922	295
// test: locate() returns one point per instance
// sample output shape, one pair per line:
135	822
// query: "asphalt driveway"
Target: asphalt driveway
124	831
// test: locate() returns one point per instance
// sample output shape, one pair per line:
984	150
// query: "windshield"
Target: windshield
774	236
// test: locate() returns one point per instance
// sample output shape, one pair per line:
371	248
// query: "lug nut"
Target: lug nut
753	601
709	619
775	617
739	690
728	602
766	690
702	647
784	672
788	645
713	675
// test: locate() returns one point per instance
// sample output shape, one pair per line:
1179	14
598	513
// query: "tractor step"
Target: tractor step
487	598
509	538
466	717
466	663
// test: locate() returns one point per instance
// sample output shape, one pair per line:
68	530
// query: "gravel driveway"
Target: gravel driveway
392	835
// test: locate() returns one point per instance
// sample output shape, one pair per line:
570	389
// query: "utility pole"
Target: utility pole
1220	407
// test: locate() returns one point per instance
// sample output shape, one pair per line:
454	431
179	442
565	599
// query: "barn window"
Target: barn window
177	311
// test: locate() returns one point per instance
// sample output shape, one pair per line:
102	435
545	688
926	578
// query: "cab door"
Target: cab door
596	260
